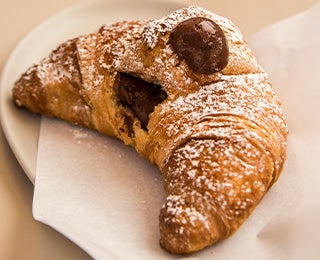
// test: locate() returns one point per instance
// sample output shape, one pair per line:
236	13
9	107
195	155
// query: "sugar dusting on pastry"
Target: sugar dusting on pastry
218	139
159	27
118	42
217	150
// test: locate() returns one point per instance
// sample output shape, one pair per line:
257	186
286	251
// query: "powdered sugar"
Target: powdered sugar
222	131
225	131
180	212
157	28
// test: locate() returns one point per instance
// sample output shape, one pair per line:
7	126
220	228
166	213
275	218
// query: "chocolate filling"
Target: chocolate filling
202	44
140	96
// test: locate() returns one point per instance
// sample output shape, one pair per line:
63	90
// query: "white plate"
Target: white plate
21	127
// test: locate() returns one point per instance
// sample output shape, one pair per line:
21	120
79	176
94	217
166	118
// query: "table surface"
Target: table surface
22	237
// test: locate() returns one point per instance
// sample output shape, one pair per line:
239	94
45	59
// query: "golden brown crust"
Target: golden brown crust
219	140
60	68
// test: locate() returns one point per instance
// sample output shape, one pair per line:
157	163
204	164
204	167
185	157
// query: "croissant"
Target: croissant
187	93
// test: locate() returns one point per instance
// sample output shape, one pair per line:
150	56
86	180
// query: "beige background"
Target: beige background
21	237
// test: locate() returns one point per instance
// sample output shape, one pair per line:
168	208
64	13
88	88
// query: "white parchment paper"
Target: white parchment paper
103	196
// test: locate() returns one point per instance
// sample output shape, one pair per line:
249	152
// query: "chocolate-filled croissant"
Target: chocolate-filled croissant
187	93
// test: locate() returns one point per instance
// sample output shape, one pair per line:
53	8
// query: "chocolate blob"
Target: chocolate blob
202	44
140	96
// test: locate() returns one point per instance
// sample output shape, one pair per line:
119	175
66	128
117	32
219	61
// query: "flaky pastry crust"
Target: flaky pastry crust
219	139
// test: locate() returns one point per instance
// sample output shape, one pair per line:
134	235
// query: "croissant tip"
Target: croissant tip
185	230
